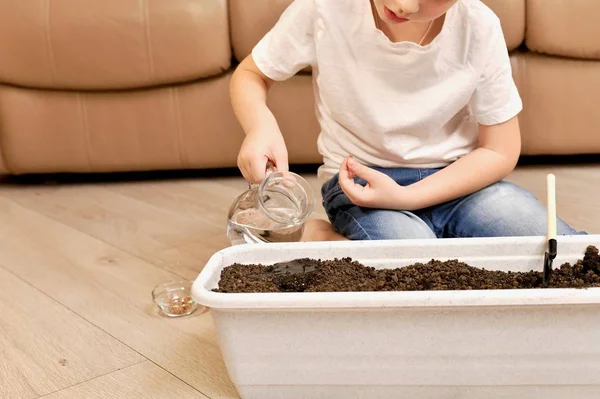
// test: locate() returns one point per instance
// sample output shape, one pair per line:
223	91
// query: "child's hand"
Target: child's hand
380	192
258	150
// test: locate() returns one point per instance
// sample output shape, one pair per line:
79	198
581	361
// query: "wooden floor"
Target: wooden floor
78	263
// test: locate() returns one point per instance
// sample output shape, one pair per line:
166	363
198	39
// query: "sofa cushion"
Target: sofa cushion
512	16
560	97
566	28
174	127
3	167
168	127
251	20
111	44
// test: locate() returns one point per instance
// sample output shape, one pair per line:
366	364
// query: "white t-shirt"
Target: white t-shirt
394	104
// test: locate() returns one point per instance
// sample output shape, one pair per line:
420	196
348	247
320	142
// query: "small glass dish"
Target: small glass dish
174	299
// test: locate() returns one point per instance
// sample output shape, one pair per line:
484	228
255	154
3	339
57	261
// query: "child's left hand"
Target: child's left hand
380	192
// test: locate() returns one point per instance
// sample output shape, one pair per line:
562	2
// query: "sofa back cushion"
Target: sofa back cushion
112	44
567	28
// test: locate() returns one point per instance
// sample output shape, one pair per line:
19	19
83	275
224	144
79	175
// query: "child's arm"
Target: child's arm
496	157
286	49
264	141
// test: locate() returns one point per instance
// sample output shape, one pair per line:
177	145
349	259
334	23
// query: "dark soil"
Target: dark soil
343	275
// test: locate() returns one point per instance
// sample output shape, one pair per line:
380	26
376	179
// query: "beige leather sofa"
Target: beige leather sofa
113	85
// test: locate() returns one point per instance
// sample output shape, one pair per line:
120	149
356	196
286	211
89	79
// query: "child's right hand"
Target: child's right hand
260	148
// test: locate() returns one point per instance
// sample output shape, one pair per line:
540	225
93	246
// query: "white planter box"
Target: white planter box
507	344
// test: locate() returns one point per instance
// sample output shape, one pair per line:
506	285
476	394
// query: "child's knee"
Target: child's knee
505	209
382	225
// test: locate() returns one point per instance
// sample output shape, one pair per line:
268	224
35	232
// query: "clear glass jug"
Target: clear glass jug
273	211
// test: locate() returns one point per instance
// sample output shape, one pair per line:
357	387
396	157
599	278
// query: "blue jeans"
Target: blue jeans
502	209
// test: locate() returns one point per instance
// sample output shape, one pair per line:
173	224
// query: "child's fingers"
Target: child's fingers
347	170
258	169
352	190
355	192
344	179
281	159
347	186
343	171
362	171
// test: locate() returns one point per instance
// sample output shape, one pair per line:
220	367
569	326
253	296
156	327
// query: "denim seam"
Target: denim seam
450	216
353	219
332	192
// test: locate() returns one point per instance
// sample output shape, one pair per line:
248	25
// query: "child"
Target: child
421	91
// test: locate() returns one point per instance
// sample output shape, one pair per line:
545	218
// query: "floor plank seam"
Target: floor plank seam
4	268
185	382
7	270
56	220
95	378
171	212
82	317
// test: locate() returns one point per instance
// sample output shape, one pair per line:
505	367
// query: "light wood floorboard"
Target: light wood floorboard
111	289
88	255
577	192
141	381
45	347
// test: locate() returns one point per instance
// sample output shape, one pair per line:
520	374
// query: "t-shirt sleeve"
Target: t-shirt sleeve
496	98
289	46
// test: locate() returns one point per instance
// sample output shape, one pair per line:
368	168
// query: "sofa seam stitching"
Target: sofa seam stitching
85	126
3	161
146	17
48	40
179	129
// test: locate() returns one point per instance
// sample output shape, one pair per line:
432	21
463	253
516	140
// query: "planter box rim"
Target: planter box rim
569	247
